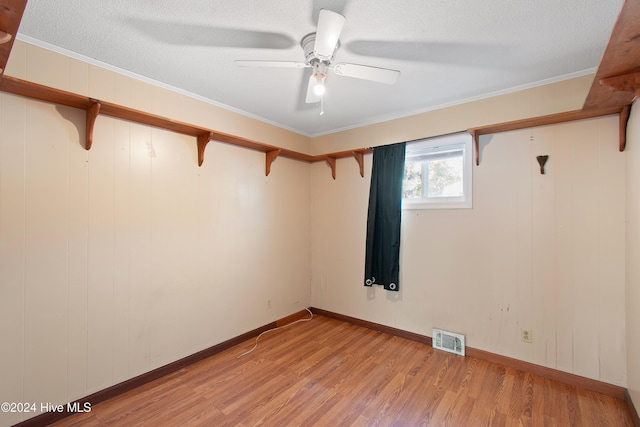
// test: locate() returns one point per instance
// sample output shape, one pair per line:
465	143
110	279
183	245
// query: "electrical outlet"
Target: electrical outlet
268	304
526	335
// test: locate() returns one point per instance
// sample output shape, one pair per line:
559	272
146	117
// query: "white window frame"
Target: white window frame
435	145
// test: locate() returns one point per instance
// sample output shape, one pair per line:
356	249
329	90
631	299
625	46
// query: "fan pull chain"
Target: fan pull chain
321	105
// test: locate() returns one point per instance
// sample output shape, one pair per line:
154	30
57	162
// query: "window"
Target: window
437	173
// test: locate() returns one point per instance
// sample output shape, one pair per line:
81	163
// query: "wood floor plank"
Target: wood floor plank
393	393
270	404
326	372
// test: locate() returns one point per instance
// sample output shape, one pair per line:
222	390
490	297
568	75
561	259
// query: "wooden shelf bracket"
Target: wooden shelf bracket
476	145
624	120
331	161
203	140
271	157
359	156
91	116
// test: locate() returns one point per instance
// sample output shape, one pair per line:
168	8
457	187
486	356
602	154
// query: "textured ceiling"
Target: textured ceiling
446	50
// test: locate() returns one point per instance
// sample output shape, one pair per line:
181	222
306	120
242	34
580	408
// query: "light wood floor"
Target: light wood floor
329	373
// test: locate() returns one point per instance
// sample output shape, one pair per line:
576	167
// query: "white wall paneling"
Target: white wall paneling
538	252
127	257
632	255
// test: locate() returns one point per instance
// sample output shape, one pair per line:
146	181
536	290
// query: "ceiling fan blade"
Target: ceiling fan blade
329	28
455	53
271	64
365	72
190	34
311	95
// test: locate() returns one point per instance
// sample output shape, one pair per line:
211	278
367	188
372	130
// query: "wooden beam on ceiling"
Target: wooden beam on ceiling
11	12
620	63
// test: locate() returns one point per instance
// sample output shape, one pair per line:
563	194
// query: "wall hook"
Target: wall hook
542	160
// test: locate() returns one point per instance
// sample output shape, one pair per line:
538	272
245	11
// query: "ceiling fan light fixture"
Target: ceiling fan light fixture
318	87
319	75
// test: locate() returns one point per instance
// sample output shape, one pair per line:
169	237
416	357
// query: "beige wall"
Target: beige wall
119	260
42	66
557	97
633	255
539	252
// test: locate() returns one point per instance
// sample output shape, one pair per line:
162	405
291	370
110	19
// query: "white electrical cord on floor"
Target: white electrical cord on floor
274	329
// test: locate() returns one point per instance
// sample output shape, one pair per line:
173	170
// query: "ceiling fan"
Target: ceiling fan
319	49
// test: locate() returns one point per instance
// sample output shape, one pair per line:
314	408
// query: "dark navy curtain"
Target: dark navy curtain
382	260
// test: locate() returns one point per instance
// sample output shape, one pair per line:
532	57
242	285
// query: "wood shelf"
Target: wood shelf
11	12
616	80
357	154
616	84
94	108
546	120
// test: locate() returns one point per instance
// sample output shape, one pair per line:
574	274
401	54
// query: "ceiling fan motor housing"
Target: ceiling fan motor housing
308	43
